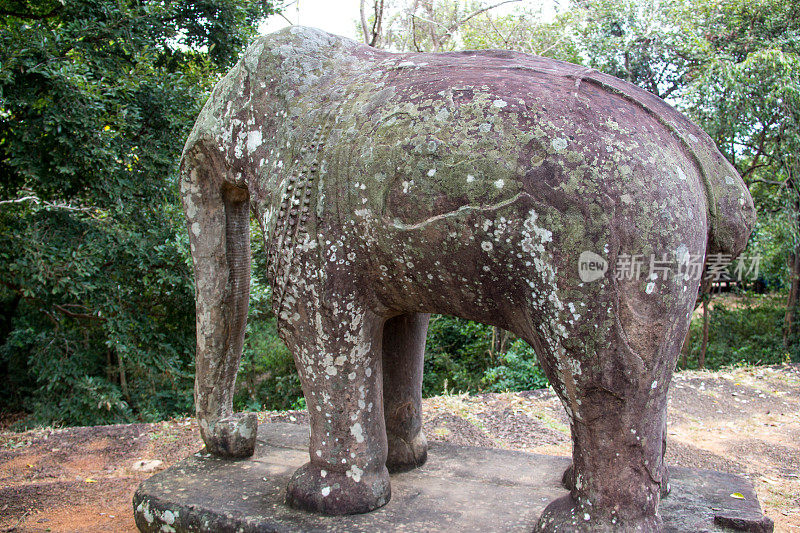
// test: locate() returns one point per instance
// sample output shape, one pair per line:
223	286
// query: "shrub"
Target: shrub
519	370
743	330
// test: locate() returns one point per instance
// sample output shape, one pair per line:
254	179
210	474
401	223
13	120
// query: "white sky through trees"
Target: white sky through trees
341	16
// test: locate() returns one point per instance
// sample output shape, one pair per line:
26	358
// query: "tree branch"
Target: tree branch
72	314
497	31
482	10
364	28
61	308
33	199
768	182
286	18
759	151
36	200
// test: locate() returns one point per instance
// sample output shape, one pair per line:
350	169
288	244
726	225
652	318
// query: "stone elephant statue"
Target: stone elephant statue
390	186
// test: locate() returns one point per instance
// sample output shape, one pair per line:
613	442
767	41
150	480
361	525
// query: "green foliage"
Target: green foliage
93	306
651	43
456	353
743	330
433	26
523	30
267	377
447	25
96	296
771	235
519	371
739	27
460	357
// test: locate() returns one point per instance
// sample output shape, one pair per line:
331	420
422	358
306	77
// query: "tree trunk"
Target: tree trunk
687	343
493	346
794	289
701	360
364	26
504	335
372	35
109	366
123	380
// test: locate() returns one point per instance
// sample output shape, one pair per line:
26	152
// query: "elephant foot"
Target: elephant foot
405	455
312	488
568	480
231	437
565	514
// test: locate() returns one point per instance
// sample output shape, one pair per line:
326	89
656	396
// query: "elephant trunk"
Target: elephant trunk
217	216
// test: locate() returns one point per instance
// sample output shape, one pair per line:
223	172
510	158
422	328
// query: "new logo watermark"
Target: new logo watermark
591	266
718	267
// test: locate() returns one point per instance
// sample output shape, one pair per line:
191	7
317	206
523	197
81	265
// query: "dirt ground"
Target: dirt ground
743	421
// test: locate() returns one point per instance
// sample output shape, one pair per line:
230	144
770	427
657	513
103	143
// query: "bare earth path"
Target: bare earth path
744	421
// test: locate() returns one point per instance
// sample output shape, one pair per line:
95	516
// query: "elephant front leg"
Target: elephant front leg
339	360
403	356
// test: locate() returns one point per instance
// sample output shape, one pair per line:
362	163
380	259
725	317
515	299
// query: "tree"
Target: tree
651	43
372	33
422	25
748	100
96	298
524	30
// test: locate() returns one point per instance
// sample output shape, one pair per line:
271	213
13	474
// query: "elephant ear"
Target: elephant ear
731	212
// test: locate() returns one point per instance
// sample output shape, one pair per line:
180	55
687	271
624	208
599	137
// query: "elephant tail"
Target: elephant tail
217	217
732	214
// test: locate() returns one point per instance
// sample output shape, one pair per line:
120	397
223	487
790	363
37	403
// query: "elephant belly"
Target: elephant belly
487	264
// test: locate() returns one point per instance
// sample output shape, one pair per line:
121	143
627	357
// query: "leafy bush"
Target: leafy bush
743	330
267	376
459	357
457	354
519	371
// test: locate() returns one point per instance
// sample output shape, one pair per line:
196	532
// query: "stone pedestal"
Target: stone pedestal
459	489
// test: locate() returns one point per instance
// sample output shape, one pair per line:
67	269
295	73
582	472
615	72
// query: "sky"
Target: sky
341	16
333	16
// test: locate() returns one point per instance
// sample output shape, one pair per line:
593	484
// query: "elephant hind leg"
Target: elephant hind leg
614	389
616	480
403	354
568	477
218	221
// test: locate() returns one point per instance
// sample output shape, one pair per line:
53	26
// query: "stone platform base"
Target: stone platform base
459	489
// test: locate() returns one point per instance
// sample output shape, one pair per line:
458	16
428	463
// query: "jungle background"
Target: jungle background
97	96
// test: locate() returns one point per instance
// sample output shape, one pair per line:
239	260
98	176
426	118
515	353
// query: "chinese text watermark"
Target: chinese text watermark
716	267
